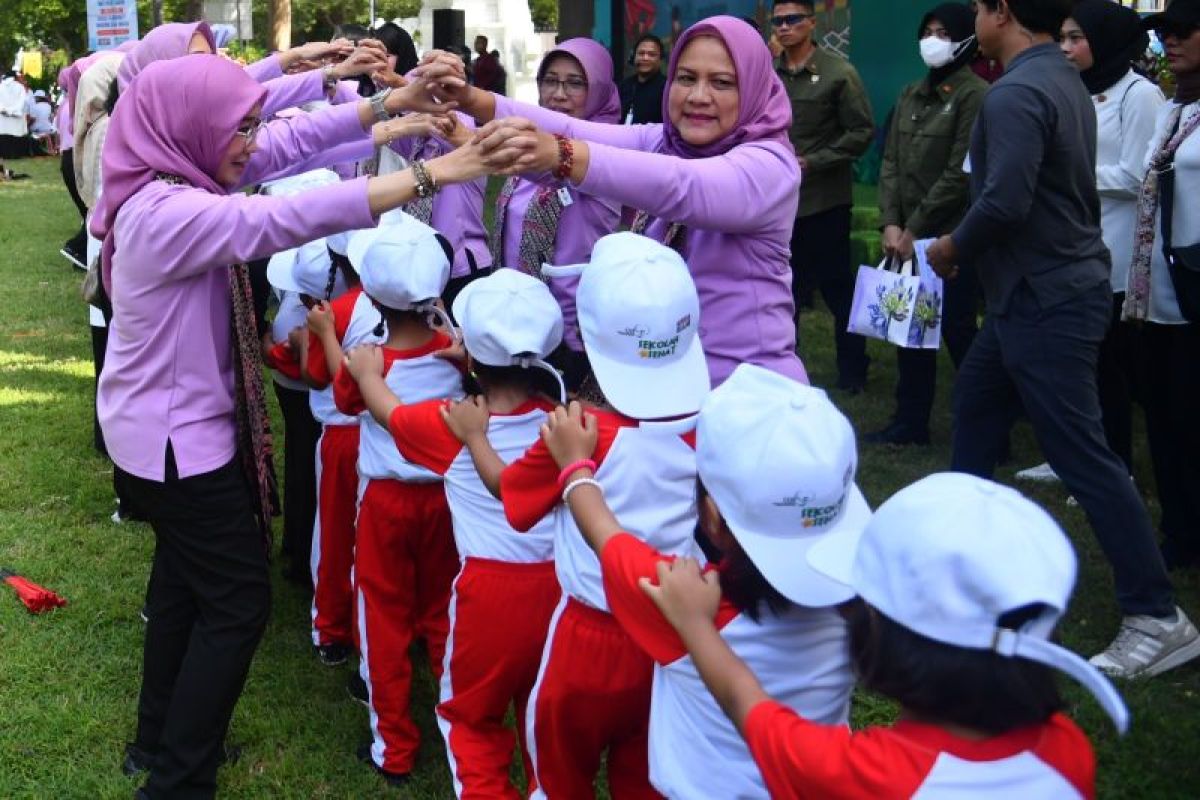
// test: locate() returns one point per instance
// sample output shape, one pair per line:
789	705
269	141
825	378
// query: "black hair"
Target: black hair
351	31
974	688
110	101
741	581
650	37
532	380
811	5
1036	16
485	40
400	44
342	263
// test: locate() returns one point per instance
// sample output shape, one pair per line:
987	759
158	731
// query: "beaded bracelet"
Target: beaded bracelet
570	469
426	186
575	484
566	158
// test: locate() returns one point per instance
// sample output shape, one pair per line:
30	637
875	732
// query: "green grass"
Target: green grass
69	679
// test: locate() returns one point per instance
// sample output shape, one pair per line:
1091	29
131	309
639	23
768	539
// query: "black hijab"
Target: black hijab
959	21
1114	33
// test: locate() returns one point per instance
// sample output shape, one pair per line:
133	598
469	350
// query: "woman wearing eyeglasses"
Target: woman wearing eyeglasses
181	400
541	220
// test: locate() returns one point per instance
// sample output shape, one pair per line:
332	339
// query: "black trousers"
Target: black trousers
1115	379
300	434
821	259
66	165
209	598
1169	357
917	369
99	345
1044	360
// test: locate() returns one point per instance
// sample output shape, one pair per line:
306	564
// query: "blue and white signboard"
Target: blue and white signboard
111	22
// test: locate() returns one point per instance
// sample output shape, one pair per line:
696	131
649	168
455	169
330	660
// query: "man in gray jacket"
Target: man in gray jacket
1033	235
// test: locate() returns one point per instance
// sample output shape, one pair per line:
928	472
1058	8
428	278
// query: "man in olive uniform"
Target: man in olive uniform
831	127
923	194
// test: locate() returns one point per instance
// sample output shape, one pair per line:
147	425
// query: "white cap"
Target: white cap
510	319
778	459
296	184
949	555
401	263
304	269
639	316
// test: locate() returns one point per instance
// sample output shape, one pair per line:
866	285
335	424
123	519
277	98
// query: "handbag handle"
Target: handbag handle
904	269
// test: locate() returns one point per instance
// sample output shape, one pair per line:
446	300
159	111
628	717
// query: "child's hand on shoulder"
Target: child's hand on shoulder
320	319
364	360
296	338
468	418
686	595
570	434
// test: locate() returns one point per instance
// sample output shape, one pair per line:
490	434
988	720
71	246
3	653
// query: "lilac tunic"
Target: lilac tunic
168	373
738	208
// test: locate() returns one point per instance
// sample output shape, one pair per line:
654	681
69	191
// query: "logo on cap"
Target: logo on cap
657	348
813	516
683	322
634	331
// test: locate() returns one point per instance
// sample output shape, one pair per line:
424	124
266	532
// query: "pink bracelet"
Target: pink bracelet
570	469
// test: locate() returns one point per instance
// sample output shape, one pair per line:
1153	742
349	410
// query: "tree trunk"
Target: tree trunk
157	12
281	24
193	10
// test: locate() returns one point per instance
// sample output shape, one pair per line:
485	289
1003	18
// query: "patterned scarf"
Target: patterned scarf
539	229
673	238
420	208
250	399
1137	296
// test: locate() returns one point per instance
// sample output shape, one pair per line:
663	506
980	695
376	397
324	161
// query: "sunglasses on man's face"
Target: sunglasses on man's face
790	20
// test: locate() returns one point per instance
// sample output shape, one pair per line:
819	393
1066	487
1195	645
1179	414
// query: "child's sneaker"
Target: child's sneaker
392	778
1042	473
356	687
333	655
1147	646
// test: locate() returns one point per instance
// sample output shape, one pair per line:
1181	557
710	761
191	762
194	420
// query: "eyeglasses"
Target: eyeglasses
571	86
790	20
249	130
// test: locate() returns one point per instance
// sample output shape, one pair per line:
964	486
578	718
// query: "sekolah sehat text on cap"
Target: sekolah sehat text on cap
949	555
779	459
639	317
401	263
305	269
510	319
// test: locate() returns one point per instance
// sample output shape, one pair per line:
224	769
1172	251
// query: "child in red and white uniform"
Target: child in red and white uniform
334	328
960	583
638	314
301	277
776	464
506	591
404	559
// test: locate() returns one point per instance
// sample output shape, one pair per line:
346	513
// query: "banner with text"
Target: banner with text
111	22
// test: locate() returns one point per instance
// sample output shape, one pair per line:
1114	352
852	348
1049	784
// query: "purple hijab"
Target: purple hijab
164	42
151	131
603	101
764	110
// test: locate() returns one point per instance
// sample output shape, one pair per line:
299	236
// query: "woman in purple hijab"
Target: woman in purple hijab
540	220
718	179
180	399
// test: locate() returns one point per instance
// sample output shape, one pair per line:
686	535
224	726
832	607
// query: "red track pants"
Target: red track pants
593	693
404	565
333	535
499	614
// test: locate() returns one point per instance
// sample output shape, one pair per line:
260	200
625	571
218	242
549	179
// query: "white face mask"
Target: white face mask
937	52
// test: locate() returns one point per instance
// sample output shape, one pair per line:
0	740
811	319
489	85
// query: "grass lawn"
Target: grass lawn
69	679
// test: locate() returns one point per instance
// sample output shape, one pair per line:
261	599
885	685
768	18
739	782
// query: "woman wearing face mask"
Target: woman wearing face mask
544	221
719	177
1103	39
181	399
923	194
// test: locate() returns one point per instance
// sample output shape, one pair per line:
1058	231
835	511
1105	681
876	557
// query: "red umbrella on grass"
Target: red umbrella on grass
36	598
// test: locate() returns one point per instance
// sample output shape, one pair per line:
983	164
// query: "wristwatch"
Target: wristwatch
328	79
378	106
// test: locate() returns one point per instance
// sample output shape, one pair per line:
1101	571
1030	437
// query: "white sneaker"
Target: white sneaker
1042	473
1147	646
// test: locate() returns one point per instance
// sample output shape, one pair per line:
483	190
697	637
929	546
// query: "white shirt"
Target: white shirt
1185	223
12	108
1125	119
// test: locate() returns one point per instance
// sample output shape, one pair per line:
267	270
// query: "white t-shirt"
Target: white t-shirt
1185	224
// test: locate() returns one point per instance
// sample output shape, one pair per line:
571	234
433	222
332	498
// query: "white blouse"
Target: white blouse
1185	222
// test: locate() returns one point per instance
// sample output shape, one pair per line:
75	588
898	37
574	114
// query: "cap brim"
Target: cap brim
655	389
833	556
279	271
787	563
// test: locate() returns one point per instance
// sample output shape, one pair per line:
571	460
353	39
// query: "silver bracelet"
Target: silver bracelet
426	186
377	105
575	484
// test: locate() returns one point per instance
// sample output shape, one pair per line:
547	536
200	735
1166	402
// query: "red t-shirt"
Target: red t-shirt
283	359
346	395
342	308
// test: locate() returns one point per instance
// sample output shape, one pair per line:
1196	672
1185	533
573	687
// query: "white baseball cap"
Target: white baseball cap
949	555
510	319
296	184
304	269
779	460
639	316
401	263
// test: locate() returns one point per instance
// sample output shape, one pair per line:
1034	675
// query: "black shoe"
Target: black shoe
899	433
392	778
356	687
333	655
138	760
75	250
